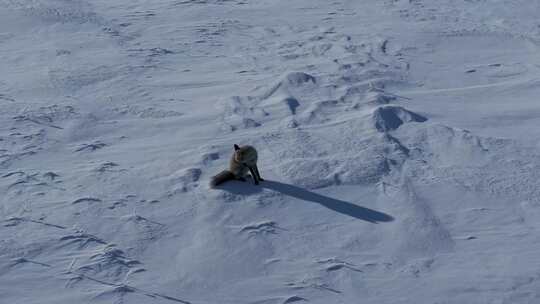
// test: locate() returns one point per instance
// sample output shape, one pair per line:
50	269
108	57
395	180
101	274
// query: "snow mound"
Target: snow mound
350	158
115	114
378	98
388	118
242	113
292	81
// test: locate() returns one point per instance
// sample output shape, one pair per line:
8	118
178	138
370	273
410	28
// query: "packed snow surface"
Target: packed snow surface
398	140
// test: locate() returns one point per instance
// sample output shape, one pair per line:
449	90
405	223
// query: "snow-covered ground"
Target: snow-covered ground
399	141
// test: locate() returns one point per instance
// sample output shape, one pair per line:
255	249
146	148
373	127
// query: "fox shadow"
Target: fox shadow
343	207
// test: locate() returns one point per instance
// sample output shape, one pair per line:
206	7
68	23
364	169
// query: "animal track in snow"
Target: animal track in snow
91	147
152	52
96	260
311	283
106	261
47	116
35	181
14	221
5	97
279	300
81	239
293	299
334	264
107	167
51	175
19	261
86	200
185	180
140	231
261	228
145	112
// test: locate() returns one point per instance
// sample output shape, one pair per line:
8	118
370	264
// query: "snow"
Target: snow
398	141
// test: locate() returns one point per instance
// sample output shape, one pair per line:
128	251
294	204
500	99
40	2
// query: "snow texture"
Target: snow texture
398	140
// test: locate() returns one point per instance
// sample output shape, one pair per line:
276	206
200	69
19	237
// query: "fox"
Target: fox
244	159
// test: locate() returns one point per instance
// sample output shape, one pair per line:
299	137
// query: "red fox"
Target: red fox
243	159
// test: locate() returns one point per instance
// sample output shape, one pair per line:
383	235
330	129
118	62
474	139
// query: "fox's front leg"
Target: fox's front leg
255	176
257	172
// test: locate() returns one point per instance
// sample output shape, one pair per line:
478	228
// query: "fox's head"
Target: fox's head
246	155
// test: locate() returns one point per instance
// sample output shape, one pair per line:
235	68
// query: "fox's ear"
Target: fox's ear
236	147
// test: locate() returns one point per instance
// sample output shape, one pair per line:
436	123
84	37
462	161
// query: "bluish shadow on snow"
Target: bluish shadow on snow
340	206
343	207
240	188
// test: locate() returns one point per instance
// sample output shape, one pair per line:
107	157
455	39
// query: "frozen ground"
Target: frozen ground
399	141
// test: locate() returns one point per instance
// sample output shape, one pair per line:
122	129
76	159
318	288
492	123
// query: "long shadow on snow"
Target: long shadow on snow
343	207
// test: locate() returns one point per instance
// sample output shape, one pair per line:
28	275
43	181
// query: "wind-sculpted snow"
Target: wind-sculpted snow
54	11
398	142
388	118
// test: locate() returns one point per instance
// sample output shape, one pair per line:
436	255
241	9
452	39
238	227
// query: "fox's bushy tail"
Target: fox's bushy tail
221	177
